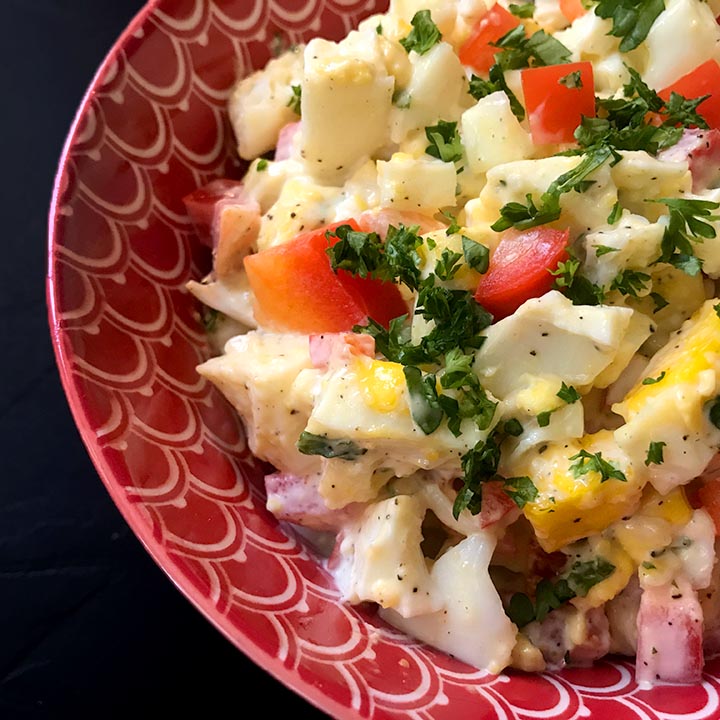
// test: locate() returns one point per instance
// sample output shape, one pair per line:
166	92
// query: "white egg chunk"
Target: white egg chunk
610	74
670	404
549	15
265	186
565	422
471	624
588	37
552	337
633	242
684	295
346	101
381	560
259	104
367	402
232	299
257	374
408	183
639	177
360	193
303	205
433	92
667	59
492	135
696	549
581	211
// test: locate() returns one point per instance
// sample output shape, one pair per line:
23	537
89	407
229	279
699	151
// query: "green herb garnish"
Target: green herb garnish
631	19
424	34
655	453
586	462
341	448
295	99
445	143
522	490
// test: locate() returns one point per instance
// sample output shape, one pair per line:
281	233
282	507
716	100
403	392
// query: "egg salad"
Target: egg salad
465	301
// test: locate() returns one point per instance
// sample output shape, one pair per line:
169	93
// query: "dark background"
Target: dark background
90	627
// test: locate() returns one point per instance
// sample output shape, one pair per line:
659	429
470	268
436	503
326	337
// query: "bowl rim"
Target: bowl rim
288	677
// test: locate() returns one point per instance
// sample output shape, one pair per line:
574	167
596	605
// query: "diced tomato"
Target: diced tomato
296	289
477	51
201	204
556	100
496	504
670	634
703	80
572	9
520	269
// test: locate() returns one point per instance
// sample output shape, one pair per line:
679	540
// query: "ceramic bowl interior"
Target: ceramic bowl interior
170	450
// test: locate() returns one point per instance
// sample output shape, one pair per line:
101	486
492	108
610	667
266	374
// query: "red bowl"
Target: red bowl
171	450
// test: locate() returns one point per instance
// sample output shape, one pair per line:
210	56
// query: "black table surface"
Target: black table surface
90	626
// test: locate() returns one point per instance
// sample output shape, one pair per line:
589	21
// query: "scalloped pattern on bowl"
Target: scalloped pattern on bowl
171	451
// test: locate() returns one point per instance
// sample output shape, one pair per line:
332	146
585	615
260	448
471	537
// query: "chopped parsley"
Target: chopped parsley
521	490
295	99
586	462
365	254
262	164
655	453
631	19
549	595
575	286
341	448
358	252
479	464
526	10
716	308
513	427
453	227
630	282
572	80
424	34
517	50
652	381
568	394
424	404
448	265
615	215
522	217
630	122
543	418
659	301
445	143
496	82
687	225
477	255
601	250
